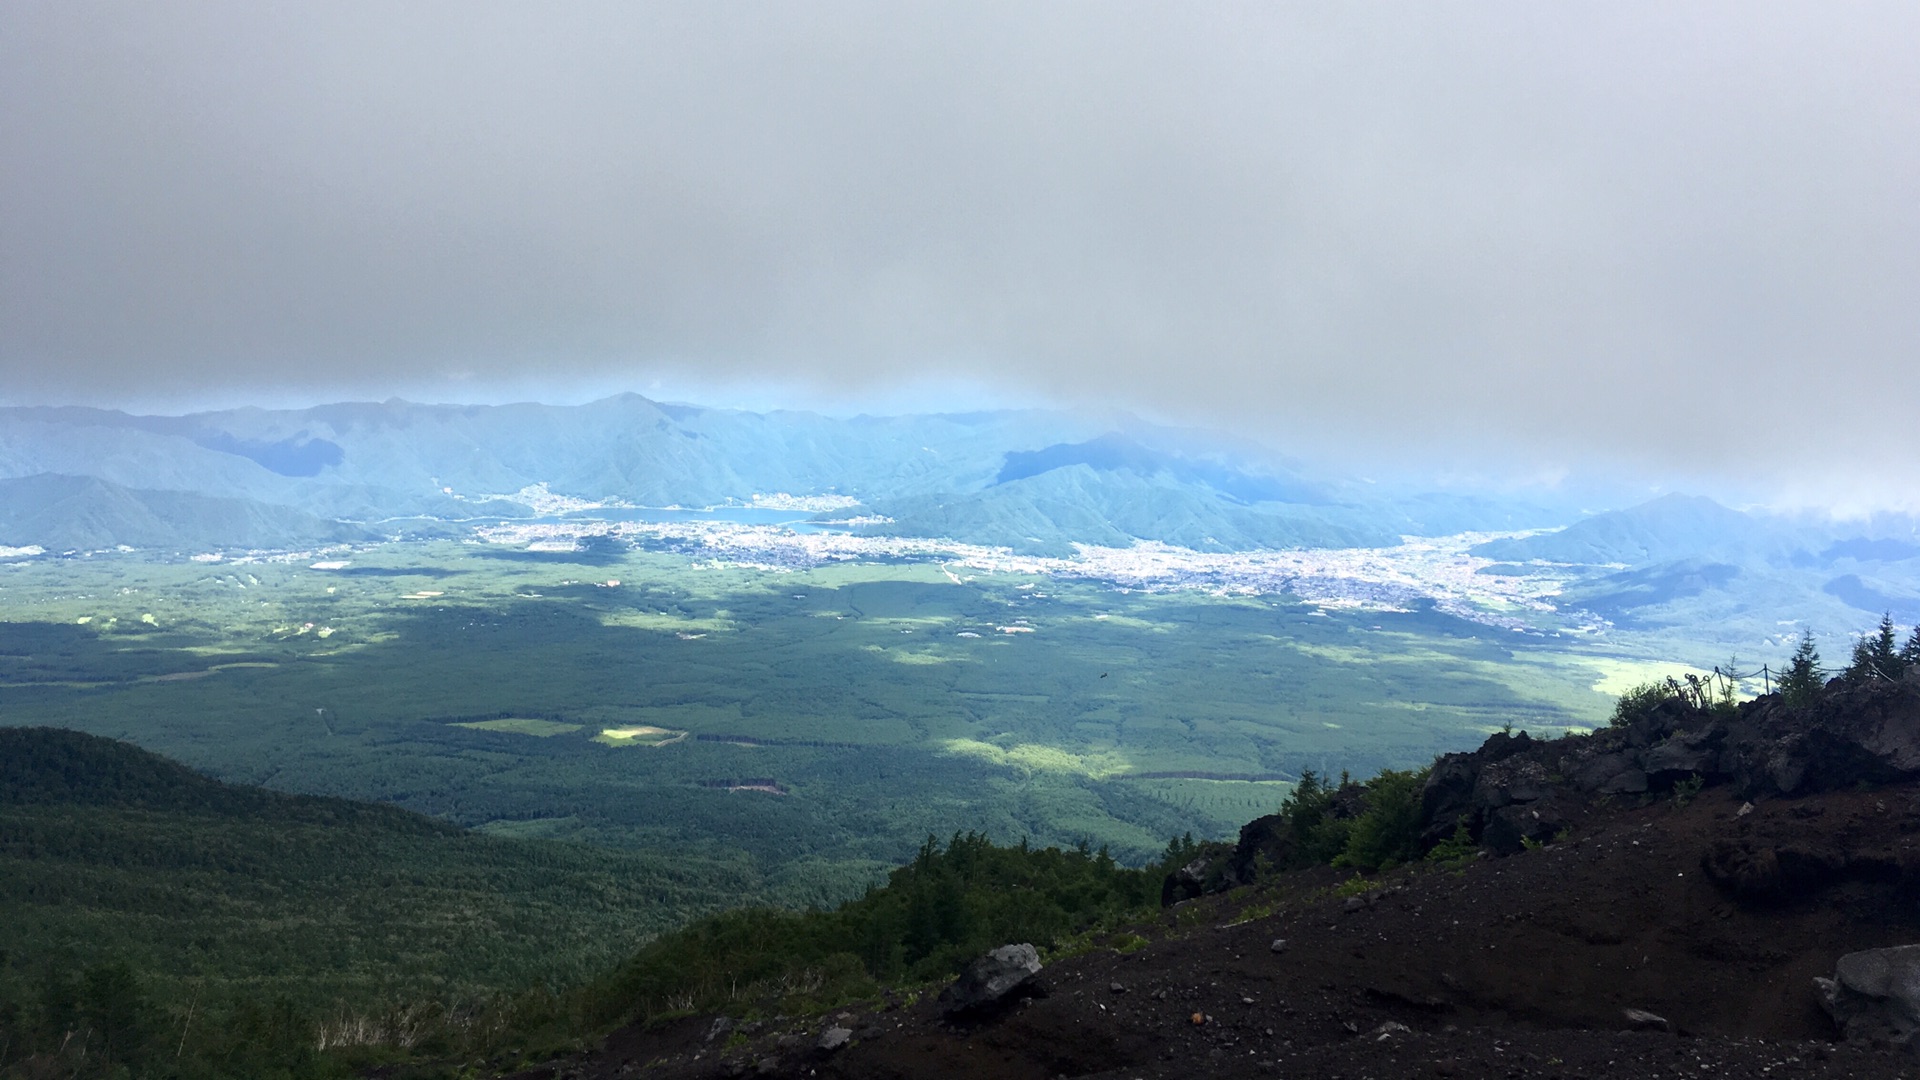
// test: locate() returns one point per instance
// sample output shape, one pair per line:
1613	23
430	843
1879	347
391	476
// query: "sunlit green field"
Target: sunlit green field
821	722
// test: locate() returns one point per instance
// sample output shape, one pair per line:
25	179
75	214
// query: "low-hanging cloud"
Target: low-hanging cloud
1683	233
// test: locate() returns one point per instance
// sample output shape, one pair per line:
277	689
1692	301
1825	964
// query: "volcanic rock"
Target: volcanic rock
1874	996
991	980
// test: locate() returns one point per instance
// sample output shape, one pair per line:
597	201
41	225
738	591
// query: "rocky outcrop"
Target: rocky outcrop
1515	790
1874	996
1453	791
1205	873
1853	733
1536	821
993	980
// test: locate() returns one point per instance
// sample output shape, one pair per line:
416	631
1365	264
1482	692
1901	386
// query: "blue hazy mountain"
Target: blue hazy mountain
1047	511
1899	597
1037	481
64	513
1117	452
1631	597
1667	528
1032	479
1860	550
1688	563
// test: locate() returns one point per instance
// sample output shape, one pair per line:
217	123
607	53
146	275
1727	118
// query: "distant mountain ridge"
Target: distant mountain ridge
63	513
1114	452
1031	479
1670	527
1035	481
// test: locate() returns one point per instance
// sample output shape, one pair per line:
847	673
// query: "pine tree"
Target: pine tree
1910	652
1876	655
1800	683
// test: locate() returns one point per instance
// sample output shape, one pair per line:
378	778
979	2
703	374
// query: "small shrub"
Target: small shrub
1263	868
1456	849
1685	790
1640	701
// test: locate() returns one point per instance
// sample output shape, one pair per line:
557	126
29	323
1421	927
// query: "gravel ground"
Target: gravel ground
1518	967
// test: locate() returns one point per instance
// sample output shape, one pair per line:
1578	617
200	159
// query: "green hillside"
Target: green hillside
110	852
112	855
157	923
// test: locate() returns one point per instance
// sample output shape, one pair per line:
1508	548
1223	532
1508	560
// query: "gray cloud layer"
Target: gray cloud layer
1602	227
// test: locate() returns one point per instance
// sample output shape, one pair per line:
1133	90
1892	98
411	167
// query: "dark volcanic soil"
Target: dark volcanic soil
1511	967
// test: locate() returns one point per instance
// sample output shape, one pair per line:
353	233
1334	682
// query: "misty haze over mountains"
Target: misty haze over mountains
1036	482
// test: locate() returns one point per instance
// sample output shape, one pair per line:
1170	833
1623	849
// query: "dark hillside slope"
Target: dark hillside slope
111	854
1675	884
1517	967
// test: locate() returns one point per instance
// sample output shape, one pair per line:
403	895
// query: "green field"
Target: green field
816	725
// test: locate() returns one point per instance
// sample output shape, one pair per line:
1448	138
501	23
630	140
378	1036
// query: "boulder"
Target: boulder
1270	836
1514	780
1642	1020
1629	781
1611	774
1874	996
1510	828
1002	975
1209	872
1452	791
1868	731
1448	794
1685	754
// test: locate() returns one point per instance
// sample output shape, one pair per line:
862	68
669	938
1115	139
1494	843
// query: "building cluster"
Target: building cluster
1440	571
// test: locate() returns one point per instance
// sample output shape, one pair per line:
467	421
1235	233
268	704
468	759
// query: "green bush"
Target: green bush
1640	701
1455	850
1387	833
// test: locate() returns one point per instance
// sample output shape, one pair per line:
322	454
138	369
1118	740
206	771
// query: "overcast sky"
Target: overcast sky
1682	234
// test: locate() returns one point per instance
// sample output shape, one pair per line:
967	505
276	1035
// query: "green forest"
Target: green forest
885	701
176	926
440	799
